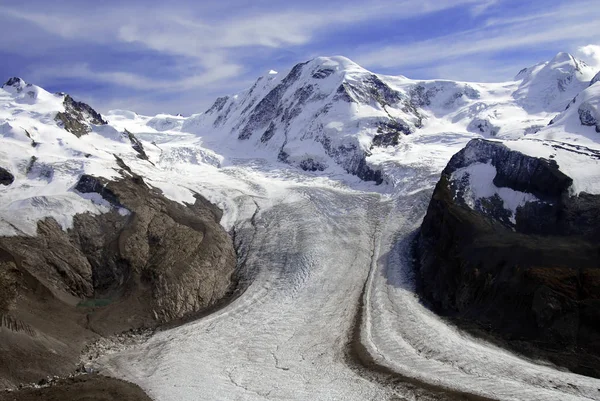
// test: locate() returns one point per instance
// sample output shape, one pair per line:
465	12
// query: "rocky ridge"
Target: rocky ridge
531	277
130	258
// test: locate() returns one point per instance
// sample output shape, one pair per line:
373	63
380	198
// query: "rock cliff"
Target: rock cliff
525	270
148	261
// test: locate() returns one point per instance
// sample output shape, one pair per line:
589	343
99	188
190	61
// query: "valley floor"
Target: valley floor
315	251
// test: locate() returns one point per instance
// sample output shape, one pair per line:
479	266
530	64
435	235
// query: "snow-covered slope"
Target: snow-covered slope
545	86
331	115
46	160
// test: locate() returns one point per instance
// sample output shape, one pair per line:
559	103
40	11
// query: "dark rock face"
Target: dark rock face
80	388
267	109
535	283
268	134
137	145
389	133
77	117
322	73
15	82
595	79
218	104
588	115
155	262
483	126
311	164
370	89
422	95
6	178
352	160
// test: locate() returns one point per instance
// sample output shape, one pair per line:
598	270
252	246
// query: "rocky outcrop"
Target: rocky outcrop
6	177
483	126
440	93
148	261
589	115
389	134
17	85
533	280
137	145
79	388
270	107
77	117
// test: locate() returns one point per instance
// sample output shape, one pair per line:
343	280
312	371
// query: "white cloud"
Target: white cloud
135	81
591	54
563	26
483	6
210	45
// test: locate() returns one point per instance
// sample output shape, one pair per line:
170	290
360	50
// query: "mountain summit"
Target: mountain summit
545	86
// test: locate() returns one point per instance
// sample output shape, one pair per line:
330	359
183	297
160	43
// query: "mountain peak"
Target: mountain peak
338	64
562	57
15	82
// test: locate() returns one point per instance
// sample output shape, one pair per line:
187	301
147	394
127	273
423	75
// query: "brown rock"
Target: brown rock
109	273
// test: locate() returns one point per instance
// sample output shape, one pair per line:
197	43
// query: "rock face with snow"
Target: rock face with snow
102	229
77	117
159	262
583	109
6	178
323	112
483	126
544	86
504	243
69	273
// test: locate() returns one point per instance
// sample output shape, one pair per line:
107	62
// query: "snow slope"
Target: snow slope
284	160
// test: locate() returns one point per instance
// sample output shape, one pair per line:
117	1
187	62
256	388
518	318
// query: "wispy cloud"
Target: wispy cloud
211	43
150	51
564	26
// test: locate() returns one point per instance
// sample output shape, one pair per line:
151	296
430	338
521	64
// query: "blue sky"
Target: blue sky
176	57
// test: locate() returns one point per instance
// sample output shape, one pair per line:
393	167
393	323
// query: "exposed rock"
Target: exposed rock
6	178
588	115
79	388
218	104
389	133
148	261
483	126
137	145
372	88
351	159
444	92
77	117
322	73
15	82
311	164
535	281
533	129
268	109
268	134
343	93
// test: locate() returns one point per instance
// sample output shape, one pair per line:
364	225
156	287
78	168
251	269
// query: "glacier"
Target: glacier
324	175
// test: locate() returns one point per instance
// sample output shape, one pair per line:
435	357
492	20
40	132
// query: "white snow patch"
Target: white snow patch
481	185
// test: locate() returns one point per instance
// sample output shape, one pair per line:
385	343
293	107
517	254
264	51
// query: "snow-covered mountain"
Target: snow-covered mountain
327	116
294	163
330	113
